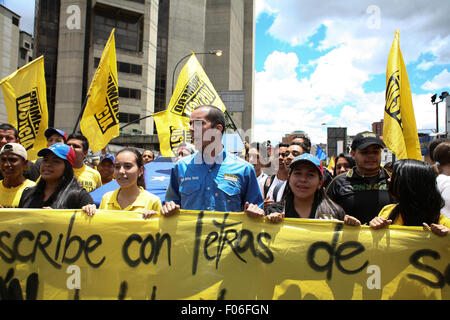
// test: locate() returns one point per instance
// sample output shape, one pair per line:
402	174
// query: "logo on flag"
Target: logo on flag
107	117
29	117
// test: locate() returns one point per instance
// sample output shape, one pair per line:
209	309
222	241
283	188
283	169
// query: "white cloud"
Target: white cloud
425	65
262	7
333	95
423	26
441	81
357	48
291	104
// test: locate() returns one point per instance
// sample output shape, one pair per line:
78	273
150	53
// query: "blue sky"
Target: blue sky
323	63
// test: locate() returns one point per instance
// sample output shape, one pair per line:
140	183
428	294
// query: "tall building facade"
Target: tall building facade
377	128
10	36
151	38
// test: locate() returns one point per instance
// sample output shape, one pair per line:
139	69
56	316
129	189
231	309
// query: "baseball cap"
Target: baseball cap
51	131
14	148
60	150
107	157
307	157
364	139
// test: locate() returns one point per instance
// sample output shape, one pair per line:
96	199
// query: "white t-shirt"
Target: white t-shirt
275	182
443	183
261	181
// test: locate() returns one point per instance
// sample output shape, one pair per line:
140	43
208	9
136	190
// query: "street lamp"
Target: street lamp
443	95
215	52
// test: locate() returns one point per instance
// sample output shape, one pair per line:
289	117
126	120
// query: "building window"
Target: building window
128	117
129	93
27	45
138	1
123	67
129	27
15	21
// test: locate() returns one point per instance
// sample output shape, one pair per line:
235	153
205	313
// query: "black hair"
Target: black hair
301	145
215	116
433	145
7	126
83	139
347	157
139	163
323	207
67	190
282	144
413	185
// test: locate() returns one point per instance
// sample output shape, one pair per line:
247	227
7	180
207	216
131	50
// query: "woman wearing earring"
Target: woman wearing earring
57	187
131	194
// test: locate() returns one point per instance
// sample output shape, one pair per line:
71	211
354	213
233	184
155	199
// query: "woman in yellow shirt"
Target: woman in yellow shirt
131	195
413	185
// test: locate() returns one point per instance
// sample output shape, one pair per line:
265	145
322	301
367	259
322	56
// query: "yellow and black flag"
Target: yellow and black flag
193	89
399	128
25	96
100	122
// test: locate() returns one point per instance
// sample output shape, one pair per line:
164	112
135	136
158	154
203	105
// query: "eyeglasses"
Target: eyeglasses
294	153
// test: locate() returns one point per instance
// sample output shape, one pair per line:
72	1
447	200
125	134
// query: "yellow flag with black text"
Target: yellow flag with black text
399	128
25	96
100	121
172	130
192	90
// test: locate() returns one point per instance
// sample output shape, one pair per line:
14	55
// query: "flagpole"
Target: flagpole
131	122
81	113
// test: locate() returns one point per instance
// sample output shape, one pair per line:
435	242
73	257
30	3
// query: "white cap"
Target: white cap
14	148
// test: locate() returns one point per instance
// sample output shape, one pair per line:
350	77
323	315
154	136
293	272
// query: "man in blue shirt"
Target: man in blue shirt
212	179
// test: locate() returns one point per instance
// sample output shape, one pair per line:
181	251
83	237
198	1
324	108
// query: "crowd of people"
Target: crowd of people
285	181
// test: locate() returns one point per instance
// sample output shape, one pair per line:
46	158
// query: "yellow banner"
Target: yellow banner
63	254
193	89
399	129
100	121
25	97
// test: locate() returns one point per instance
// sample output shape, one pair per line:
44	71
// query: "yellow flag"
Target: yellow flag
399	128
193	89
100	123
25	97
172	130
331	164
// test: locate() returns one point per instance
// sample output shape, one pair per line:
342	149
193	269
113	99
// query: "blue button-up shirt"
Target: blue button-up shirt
222	186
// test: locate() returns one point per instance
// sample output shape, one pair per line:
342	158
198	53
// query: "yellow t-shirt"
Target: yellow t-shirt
386	211
10	197
88	178
145	200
